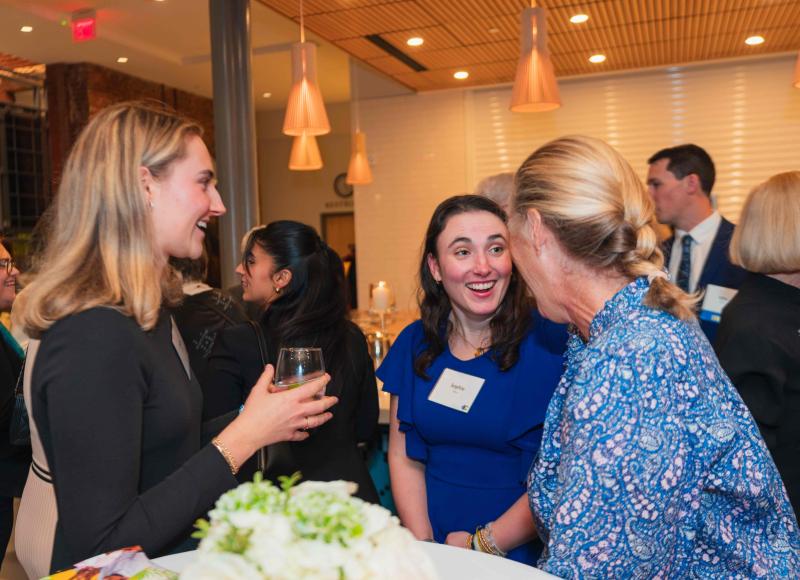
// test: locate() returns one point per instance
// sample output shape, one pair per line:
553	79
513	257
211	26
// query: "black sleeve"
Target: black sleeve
91	392
223	382
367	411
752	360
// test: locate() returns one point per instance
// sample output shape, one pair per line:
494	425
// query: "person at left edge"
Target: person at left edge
457	463
14	460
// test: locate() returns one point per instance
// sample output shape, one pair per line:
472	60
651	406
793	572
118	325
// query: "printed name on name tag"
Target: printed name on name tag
456	390
714	301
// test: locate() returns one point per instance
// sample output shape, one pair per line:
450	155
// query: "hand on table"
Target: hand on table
457	539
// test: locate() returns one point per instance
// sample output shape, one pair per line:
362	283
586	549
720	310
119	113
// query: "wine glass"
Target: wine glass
295	367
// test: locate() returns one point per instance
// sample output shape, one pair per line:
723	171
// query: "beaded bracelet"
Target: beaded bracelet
489	537
226	455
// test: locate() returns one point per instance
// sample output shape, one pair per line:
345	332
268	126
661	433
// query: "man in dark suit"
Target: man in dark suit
680	180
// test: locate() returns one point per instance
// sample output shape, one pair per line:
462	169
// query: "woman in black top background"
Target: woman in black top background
758	341
299	282
120	456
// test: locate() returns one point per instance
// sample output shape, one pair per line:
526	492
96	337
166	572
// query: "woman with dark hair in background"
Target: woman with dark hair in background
299	283
470	383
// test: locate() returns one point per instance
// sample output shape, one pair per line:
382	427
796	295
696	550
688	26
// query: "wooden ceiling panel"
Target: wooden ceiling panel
468	55
452	11
376	19
360	47
390	65
291	8
481	36
436	38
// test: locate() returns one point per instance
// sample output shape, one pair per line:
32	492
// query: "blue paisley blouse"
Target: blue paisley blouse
651	465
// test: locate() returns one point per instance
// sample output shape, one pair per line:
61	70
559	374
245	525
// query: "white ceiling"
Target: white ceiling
169	42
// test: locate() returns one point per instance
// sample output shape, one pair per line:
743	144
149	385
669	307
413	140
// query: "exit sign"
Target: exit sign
84	25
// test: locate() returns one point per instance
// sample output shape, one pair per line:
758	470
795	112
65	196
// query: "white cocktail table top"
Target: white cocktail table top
451	563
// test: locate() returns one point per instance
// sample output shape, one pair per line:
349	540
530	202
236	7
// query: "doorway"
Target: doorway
339	232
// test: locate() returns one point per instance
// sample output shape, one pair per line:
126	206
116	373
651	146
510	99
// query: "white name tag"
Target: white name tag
456	390
714	301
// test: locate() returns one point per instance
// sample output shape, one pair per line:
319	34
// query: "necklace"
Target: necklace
479	350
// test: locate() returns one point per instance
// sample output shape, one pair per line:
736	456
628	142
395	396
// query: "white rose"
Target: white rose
339	488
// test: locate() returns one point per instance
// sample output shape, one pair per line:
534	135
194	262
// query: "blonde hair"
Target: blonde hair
601	213
99	248
767	239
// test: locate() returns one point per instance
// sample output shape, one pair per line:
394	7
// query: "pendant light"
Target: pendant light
535	86
305	111
358	170
305	154
796	81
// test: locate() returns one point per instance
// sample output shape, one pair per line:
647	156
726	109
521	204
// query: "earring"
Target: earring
150	203
277	289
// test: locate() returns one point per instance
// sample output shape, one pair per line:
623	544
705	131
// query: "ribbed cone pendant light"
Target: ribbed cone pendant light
358	171
305	154
305	111
535	86
796	81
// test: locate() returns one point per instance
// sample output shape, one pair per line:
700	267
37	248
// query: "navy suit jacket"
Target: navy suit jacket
717	270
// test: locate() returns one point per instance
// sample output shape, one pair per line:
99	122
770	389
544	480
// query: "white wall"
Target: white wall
301	195
429	146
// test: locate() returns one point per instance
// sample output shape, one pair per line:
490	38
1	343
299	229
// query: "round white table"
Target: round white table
451	564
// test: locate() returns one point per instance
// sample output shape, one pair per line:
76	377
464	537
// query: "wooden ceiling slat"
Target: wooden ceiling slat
482	35
377	19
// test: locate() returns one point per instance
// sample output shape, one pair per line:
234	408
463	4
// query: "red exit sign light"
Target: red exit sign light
84	26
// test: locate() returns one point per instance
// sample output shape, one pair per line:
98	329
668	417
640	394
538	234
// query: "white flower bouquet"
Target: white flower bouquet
312	530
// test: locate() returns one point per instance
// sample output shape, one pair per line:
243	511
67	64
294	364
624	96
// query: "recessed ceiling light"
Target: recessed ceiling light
579	18
415	41
122	59
597	58
754	40
26	29
266	95
461	75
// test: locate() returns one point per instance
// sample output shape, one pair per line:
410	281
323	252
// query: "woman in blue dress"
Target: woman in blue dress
470	383
651	465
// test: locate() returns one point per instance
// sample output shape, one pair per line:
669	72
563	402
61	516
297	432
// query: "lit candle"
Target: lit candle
381	297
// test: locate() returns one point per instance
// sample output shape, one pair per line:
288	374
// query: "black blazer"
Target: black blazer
200	317
758	345
331	452
14	460
717	270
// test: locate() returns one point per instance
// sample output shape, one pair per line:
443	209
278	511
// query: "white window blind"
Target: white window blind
745	114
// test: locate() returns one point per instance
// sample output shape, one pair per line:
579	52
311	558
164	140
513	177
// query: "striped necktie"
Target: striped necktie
685	266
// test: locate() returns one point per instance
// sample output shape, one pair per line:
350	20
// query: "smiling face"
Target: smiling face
8	281
259	279
183	201
473	263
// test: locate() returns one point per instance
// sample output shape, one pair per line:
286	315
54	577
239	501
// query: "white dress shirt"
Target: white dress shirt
703	235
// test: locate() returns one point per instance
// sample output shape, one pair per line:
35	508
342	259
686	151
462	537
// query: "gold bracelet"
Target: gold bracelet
226	455
469	542
481	541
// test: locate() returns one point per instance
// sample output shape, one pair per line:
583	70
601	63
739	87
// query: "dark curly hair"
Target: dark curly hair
512	319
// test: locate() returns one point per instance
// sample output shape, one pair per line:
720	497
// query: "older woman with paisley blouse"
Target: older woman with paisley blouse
650	463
